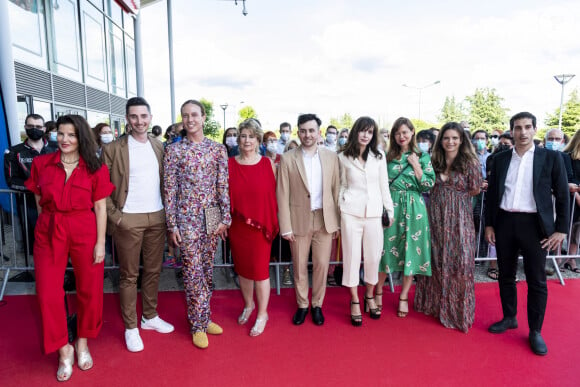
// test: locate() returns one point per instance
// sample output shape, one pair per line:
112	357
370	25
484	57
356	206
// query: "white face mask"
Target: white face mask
424	146
494	141
331	138
106	138
231	141
285	136
53	136
272	148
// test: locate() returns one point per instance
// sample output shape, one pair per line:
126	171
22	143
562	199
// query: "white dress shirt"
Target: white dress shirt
519	184
314	174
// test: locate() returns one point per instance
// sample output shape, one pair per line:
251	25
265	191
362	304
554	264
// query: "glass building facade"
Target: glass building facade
73	56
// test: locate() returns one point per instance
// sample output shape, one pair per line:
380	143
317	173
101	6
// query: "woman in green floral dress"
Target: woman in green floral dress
407	244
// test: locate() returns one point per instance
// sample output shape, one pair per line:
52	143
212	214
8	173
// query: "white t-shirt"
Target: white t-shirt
144	195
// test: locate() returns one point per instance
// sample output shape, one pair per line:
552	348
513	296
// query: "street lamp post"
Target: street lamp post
562	80
421	91
224	107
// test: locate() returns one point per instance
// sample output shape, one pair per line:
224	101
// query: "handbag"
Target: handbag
213	218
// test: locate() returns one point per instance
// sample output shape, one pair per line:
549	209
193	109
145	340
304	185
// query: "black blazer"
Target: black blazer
549	179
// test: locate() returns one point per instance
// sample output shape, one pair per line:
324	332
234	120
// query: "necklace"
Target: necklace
69	162
248	160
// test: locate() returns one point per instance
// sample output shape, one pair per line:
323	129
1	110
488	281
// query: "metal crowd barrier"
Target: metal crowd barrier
15	239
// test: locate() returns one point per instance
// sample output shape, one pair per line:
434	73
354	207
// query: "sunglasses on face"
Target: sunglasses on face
494	136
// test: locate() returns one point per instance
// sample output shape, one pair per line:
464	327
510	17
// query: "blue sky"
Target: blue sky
334	57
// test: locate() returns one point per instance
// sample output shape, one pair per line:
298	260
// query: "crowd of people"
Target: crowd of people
397	201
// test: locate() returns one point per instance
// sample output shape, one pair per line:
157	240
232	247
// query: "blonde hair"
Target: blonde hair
253	126
573	146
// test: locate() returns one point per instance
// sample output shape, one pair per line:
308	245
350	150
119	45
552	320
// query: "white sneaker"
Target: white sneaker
156	324
133	340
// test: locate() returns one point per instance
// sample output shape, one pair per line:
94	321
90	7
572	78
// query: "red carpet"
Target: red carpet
391	351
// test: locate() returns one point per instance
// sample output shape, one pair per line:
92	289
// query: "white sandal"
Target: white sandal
84	359
65	367
259	326
246	313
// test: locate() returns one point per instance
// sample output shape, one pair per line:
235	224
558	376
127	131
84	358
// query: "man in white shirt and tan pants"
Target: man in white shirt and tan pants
136	219
307	193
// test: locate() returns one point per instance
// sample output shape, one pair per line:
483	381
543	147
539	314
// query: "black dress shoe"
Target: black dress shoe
538	344
503	325
300	316
317	316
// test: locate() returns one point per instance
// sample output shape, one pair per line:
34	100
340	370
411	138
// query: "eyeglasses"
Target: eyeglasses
494	136
33	126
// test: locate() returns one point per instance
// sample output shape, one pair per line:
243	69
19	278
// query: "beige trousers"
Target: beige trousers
321	243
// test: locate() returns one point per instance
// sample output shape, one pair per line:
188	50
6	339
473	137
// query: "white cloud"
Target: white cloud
335	57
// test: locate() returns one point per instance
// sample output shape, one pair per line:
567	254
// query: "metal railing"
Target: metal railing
16	242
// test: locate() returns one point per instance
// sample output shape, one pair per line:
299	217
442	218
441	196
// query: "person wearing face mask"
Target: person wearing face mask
479	140
331	137
383	139
103	135
230	140
425	141
342	139
50	132
494	139
271	143
17	164
285	130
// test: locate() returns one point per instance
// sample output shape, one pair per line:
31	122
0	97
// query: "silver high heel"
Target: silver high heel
65	367
84	359
245	316
259	326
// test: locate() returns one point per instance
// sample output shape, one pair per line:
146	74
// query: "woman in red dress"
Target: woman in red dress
254	221
70	187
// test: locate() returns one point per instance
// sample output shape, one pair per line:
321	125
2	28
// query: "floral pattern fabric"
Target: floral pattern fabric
449	294
196	177
407	243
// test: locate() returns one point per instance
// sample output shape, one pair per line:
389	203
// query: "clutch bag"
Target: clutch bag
213	218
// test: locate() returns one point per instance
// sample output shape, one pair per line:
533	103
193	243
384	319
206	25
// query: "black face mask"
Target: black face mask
502	147
34	134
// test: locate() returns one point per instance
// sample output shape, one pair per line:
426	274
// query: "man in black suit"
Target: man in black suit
520	217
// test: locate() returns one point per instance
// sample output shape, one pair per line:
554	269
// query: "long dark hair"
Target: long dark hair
352	148
86	138
465	155
394	148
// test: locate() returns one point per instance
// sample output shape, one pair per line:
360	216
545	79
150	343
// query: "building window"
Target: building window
94	47
94	118
66	47
131	66
28	30
115	12
116	60
43	108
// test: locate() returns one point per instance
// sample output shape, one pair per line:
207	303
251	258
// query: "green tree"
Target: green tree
570	115
344	121
422	125
246	112
486	111
211	127
451	111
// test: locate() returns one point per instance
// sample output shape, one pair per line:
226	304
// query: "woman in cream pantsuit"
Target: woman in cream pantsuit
364	191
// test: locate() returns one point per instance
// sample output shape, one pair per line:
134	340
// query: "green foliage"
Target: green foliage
570	115
486	111
422	125
451	111
344	121
245	113
210	127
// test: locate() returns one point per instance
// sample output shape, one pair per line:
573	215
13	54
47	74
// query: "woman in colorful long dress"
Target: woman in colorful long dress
449	294
254	222
195	181
407	244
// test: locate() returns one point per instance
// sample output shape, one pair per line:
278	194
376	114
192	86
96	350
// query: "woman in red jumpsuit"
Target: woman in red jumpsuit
70	187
